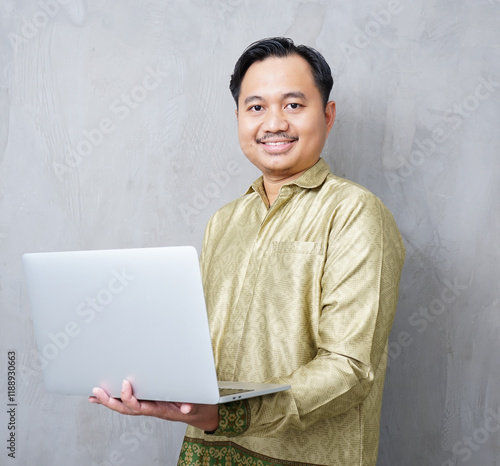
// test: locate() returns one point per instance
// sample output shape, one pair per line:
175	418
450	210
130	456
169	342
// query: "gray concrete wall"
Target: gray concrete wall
117	130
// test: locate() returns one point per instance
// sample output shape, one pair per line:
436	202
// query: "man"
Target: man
301	280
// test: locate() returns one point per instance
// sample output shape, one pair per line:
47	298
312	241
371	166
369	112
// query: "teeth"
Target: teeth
276	143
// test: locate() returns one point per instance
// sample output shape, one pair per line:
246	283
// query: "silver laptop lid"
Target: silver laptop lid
102	316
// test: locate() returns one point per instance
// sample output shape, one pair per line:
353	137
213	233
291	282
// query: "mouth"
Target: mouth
277	145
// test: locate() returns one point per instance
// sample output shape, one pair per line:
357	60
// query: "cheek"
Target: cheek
246	134
316	134
244	137
248	147
242	130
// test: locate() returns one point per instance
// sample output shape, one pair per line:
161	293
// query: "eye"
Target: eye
256	108
294	106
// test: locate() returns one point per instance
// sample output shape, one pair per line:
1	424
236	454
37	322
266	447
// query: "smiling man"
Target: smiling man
301	281
283	121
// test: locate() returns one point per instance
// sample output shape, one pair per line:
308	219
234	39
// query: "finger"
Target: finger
186	408
126	388
128	398
100	395
112	403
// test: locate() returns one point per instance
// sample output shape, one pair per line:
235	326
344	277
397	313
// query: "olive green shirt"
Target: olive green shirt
304	293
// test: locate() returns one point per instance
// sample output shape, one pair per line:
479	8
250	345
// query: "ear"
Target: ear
236	113
330	112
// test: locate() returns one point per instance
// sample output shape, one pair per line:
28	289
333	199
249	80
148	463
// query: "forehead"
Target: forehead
276	76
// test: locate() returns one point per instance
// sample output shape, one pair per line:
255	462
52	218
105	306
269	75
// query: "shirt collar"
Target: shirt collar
311	178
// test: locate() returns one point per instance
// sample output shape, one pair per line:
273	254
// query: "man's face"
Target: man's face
282	122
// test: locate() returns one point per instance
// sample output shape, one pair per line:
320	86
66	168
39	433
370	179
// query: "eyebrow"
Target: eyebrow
287	95
294	95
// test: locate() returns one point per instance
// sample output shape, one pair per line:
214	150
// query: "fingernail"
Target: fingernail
124	384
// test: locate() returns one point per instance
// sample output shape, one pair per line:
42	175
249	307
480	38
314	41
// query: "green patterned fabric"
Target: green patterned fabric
227	454
233	418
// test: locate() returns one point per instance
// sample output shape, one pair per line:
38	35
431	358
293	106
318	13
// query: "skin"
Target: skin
282	126
282	121
204	417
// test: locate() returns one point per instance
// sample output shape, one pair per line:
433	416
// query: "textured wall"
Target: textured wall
117	130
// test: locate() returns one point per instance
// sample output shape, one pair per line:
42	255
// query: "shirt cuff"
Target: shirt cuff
234	419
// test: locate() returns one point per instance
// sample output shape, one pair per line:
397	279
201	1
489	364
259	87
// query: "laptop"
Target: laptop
138	314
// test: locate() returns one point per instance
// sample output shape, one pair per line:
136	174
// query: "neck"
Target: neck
272	191
273	185
274	181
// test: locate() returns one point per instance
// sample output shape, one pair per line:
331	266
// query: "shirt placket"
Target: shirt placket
259	247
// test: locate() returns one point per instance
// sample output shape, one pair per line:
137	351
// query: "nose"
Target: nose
275	120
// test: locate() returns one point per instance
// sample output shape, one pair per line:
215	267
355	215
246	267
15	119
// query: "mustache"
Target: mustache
277	135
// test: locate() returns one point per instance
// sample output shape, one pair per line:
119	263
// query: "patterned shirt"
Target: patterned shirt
302	292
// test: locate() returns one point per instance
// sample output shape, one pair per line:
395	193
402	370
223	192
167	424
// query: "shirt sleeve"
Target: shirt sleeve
234	419
359	295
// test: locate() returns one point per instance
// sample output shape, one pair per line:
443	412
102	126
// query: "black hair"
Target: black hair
282	47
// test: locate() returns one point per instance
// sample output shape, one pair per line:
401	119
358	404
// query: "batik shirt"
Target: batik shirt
302	292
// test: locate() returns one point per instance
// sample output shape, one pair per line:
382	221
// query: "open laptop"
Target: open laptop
138	314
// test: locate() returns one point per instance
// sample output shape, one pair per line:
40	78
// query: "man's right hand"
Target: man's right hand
205	417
